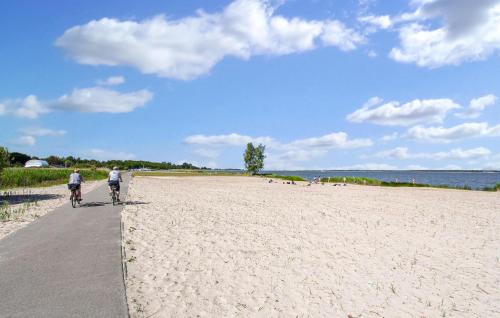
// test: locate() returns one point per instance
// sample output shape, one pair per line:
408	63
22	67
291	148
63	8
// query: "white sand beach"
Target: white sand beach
241	247
28	204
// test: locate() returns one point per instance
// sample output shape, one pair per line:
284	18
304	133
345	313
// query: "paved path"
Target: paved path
67	263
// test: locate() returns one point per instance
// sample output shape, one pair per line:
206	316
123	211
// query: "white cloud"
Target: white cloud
442	134
367	166
102	100
477	106
41	132
100	154
390	137
394	114
379	22
339	140
226	140
111	81
279	155
25	141
92	99
457	153
189	47
28	107
469	31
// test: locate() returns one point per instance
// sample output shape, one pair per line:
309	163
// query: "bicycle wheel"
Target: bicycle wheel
73	199
114	197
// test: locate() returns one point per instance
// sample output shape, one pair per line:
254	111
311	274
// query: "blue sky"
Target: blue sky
352	84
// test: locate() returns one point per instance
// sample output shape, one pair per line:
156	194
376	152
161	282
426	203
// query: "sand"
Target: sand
240	247
29	204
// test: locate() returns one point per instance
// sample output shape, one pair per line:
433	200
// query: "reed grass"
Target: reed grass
39	177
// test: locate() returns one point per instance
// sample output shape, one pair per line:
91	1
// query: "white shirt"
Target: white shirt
75	178
114	175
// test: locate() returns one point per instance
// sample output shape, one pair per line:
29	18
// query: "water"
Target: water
473	179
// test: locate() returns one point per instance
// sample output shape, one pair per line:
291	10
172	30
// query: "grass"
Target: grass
288	178
39	177
184	173
375	182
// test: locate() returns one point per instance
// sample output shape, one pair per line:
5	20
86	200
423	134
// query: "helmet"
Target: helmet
77	170
115	168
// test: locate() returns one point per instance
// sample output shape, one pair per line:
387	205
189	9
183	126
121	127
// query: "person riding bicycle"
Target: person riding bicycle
114	179
75	181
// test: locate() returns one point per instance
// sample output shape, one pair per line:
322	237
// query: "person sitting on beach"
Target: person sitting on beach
114	179
75	181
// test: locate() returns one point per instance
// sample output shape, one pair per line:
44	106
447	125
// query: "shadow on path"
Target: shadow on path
94	204
21	198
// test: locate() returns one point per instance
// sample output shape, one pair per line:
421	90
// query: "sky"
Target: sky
323	84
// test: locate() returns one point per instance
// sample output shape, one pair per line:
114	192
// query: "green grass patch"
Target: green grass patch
375	182
40	177
288	178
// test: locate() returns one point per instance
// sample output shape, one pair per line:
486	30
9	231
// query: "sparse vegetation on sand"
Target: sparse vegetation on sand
30	177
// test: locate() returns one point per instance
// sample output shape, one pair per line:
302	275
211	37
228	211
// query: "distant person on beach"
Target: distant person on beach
114	179
75	182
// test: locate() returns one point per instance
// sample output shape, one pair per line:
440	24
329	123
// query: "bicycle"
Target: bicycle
114	197
74	197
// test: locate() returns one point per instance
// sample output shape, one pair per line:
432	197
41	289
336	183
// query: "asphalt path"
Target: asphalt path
67	263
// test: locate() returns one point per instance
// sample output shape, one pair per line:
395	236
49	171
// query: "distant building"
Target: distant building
35	163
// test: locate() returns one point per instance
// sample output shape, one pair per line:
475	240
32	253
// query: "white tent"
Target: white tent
35	163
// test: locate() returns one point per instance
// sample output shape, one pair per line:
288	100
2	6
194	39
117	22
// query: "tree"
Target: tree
18	159
4	159
254	158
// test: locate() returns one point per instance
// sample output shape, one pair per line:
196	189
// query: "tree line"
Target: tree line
17	159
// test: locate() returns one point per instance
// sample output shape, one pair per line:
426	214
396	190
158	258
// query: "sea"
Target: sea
472	179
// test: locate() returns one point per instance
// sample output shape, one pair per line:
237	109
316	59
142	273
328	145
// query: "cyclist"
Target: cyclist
114	179
75	181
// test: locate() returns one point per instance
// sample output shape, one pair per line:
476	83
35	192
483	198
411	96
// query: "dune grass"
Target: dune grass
40	177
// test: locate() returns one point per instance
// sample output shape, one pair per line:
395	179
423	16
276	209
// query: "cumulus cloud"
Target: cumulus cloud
111	81
477	106
462	131
189	47
93	99
102	100
467	31
280	155
395	114
457	153
28	107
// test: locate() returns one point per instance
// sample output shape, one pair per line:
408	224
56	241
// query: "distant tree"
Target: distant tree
18	159
68	163
54	161
4	159
254	158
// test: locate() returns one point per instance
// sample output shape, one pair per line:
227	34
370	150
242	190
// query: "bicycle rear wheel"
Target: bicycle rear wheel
114	197
73	199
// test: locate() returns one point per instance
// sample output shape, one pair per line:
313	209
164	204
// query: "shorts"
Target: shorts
74	186
116	184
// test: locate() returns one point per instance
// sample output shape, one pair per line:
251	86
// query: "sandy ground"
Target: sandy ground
240	247
28	204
